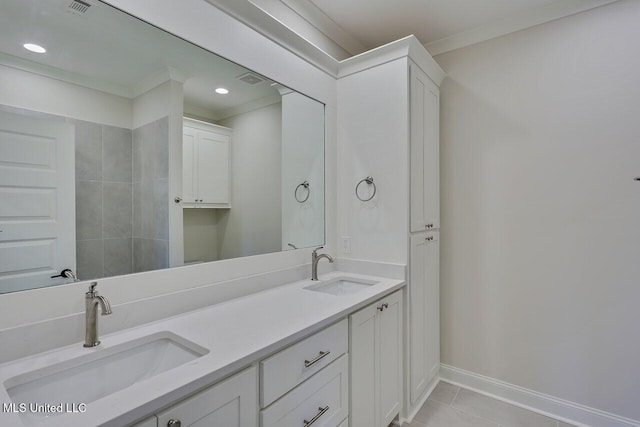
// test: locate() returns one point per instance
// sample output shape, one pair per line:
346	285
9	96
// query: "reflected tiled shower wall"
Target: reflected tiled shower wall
104	211
151	196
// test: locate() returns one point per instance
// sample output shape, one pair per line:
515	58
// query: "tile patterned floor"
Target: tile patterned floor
452	406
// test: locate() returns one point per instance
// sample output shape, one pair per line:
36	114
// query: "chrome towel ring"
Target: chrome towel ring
368	180
295	192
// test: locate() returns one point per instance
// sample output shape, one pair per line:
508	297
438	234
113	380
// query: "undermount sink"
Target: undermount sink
88	378
341	286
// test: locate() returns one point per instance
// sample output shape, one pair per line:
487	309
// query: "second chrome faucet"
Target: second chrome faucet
314	261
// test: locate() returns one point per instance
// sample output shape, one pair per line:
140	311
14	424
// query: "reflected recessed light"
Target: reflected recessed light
222	91
34	48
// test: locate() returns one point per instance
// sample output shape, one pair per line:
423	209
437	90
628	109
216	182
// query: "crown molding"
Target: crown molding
278	32
406	47
327	26
65	76
513	23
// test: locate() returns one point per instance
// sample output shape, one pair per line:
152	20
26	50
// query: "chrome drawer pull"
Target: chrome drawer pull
320	413
322	354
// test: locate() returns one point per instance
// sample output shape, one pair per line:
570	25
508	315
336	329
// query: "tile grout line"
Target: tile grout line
455	396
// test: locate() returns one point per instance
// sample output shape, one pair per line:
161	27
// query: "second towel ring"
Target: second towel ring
295	192
368	180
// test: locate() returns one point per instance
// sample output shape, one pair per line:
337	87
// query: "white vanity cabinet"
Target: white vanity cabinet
307	382
206	165
230	403
376	362
424	324
424	151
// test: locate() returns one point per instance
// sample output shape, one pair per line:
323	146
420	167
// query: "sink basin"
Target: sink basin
105	371
341	286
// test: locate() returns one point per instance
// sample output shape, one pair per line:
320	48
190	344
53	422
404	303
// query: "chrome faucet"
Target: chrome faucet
91	301
314	262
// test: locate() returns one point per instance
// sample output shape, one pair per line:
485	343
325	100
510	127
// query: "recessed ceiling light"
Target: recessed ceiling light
222	91
34	48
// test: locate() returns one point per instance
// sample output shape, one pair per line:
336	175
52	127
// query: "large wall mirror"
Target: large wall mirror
126	149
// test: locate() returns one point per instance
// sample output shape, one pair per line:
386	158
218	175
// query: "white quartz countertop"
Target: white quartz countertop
236	333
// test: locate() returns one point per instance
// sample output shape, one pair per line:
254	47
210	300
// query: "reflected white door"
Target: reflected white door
37	201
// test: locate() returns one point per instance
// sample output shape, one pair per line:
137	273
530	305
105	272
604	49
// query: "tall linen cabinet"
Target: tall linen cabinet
388	121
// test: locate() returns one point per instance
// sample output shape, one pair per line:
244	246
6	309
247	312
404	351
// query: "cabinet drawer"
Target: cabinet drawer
288	368
324	396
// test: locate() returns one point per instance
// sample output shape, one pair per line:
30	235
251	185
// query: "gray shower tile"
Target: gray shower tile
89	259
88	150
154	254
116	154
137	255
160	135
137	156
137	209
117	257
147	151
117	209
88	210
147	210
161	209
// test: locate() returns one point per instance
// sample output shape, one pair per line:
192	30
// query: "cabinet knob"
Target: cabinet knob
429	238
174	423
177	199
383	306
429	225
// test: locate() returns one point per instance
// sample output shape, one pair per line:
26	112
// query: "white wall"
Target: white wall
253	224
540	239
374	142
24	89
302	160
201	235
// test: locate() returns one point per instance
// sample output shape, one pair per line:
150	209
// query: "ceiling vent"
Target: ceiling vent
250	78
79	7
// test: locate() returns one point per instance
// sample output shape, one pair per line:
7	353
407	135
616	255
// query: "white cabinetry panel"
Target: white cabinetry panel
376	362
206	160
324	395
230	403
425	152
288	368
424	312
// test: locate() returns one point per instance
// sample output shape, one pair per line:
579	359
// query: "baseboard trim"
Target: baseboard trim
541	403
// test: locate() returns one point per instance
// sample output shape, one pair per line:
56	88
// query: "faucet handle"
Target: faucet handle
92	288
315	251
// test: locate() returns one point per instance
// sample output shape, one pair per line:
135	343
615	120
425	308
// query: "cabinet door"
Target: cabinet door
424	152
231	403
424	297
363	361
390	351
189	165
213	167
432	303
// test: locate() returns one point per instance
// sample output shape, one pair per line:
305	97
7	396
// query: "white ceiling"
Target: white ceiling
435	23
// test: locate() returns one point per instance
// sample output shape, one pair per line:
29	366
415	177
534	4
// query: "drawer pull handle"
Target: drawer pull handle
320	413
322	354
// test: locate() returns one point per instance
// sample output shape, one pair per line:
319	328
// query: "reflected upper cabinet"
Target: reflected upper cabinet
97	178
206	171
